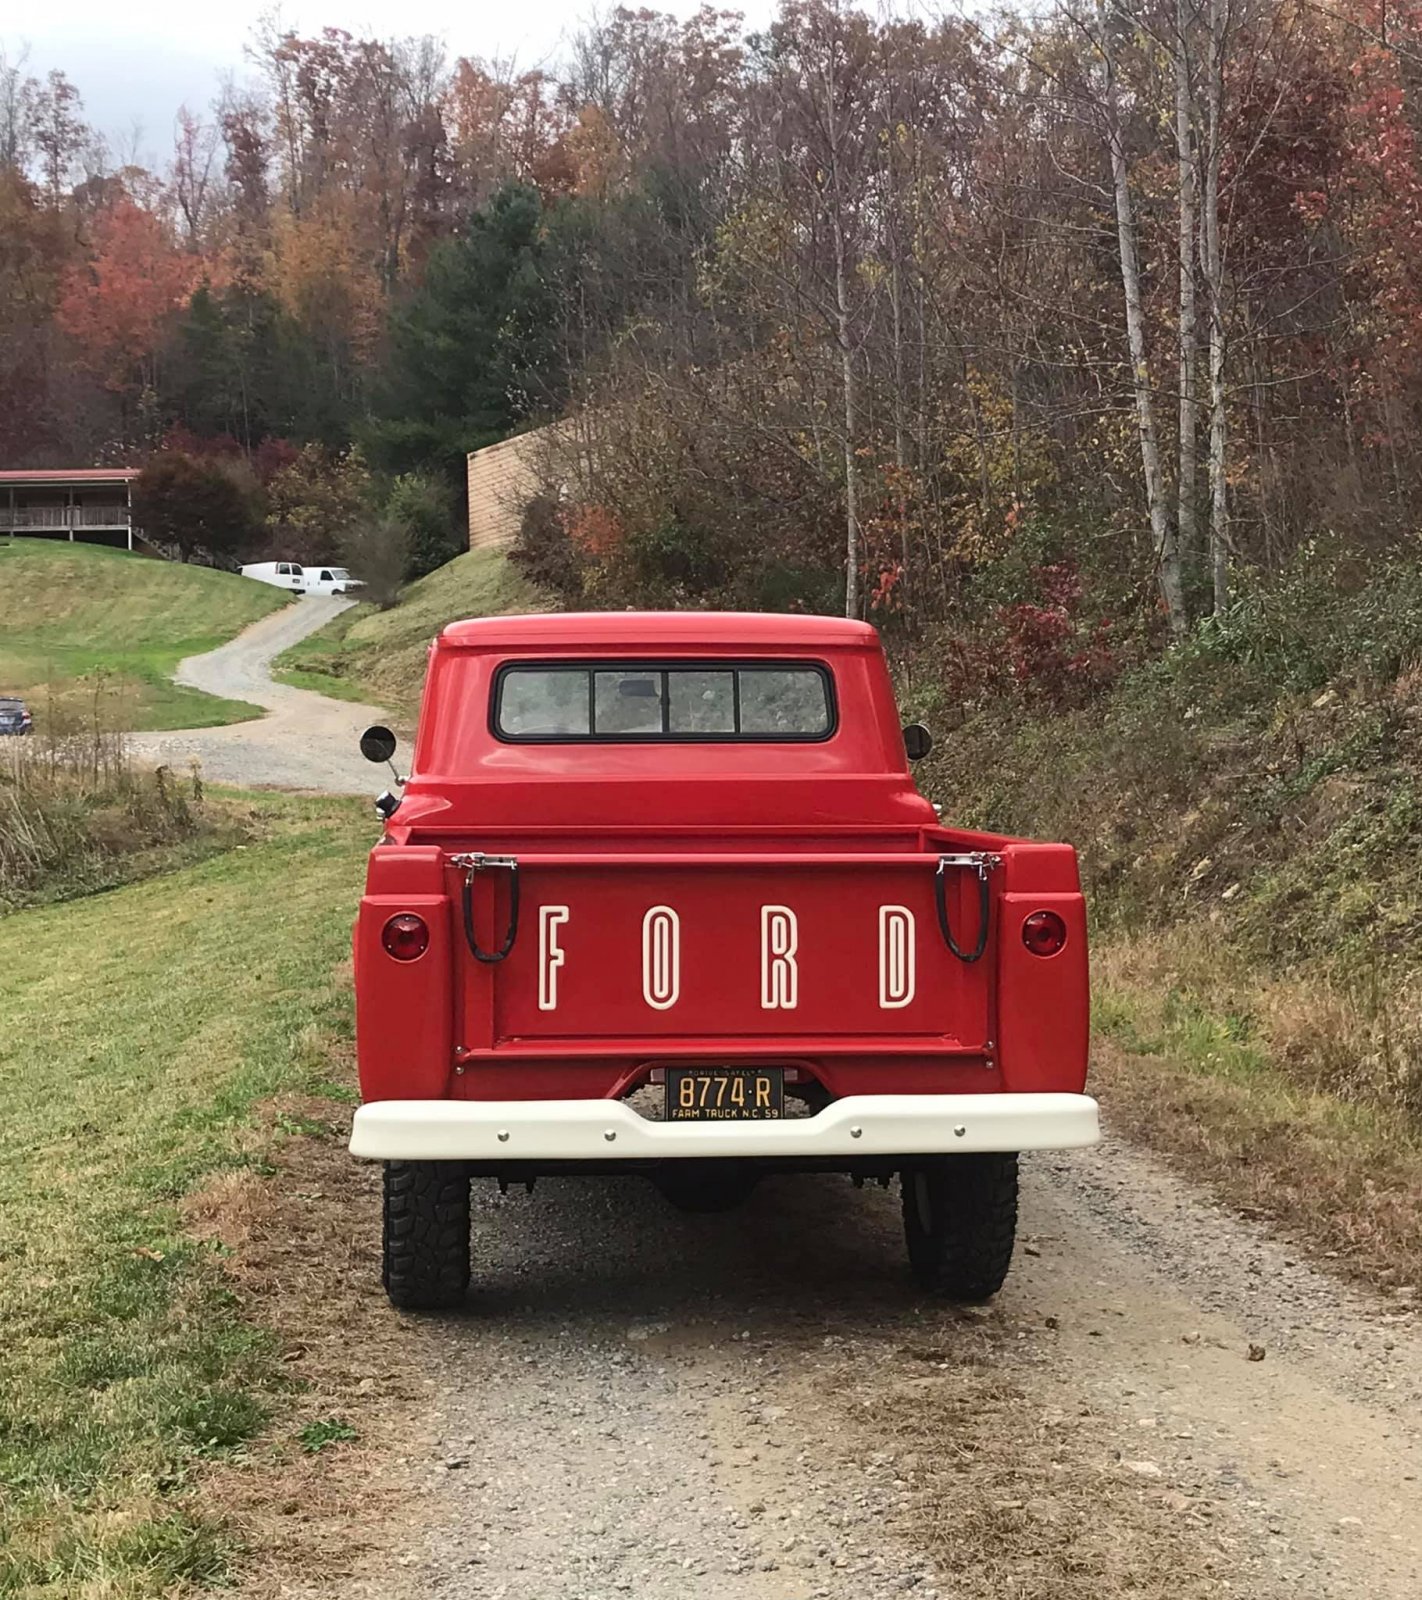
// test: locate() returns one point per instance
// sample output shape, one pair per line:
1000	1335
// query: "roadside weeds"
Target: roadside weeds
1205	1087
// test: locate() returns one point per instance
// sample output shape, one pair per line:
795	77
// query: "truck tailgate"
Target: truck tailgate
781	950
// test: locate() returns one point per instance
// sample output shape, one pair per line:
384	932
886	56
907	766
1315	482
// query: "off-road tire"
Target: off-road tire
960	1222
426	1242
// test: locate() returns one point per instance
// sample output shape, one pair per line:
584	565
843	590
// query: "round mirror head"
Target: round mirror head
377	744
918	741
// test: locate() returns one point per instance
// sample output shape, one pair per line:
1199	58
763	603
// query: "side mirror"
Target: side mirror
918	741
377	744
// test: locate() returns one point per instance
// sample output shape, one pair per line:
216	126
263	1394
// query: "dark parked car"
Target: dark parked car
15	717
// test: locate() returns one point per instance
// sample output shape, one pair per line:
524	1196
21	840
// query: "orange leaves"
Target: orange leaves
595	530
324	279
114	305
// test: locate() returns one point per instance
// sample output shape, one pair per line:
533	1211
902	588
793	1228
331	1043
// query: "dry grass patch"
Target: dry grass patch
1009	1496
1344	1180
319	1493
78	815
1352	1033
1291	1095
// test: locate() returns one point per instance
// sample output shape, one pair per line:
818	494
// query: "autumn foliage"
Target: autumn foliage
850	309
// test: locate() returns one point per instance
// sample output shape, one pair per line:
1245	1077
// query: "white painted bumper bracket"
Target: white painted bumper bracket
608	1130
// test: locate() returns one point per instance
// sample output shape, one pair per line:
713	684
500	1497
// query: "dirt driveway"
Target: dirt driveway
307	741
1165	1403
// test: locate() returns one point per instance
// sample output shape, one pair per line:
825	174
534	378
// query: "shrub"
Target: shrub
377	550
423	504
195	504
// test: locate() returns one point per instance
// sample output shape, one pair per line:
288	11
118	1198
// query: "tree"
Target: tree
314	502
115	304
1164	533
57	130
422	504
821	53
472	349
194	505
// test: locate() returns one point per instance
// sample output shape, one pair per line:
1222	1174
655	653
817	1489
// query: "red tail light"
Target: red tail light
1044	933
405	937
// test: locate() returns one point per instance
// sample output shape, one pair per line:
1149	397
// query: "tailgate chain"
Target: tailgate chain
474	863
981	862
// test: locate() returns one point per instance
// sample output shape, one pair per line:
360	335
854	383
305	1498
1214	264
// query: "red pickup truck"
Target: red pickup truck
661	896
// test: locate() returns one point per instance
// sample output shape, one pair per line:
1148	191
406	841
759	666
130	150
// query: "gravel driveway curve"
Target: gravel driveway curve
305	742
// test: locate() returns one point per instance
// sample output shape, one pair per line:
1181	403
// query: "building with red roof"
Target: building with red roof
91	504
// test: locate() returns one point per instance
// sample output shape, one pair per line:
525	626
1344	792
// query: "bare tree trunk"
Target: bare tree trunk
1167	549
1187	520
842	322
851	407
1214	280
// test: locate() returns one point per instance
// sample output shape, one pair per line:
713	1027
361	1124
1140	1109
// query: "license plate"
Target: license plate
725	1094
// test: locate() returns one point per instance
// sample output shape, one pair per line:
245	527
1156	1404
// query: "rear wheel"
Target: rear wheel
426	1265
960	1222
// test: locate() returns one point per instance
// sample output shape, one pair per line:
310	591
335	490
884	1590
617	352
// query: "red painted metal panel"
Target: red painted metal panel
756	946
767	870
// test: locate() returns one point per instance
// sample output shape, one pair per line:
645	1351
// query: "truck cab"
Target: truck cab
661	896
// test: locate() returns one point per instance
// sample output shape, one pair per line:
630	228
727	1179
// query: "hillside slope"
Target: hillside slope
379	656
1249	815
78	621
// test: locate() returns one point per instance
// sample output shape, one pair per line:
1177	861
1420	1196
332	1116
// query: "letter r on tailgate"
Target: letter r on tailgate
779	975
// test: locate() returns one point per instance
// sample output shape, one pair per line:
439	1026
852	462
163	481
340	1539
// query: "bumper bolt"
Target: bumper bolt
856	1133
959	1131
609	1135
503	1136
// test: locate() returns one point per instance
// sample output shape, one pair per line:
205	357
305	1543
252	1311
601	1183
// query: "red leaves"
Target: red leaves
113	305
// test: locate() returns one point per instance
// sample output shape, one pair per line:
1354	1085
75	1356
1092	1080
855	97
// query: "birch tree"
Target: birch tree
1214	281
1164	538
1189	188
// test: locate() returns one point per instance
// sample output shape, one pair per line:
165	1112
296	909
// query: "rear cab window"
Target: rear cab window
551	702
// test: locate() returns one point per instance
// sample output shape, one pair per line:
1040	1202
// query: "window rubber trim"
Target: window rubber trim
733	665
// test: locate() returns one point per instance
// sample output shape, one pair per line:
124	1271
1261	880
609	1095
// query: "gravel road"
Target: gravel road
1163	1402
306	741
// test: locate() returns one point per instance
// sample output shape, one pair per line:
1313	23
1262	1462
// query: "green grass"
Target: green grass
138	1030
72	611
379	656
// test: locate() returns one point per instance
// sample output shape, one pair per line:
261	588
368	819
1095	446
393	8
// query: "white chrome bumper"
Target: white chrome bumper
608	1130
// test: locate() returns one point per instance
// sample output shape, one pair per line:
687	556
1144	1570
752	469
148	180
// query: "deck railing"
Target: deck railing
46	519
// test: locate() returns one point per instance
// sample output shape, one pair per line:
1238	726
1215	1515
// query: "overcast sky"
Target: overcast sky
136	61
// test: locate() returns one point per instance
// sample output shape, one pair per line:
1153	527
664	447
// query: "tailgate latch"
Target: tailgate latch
473	863
981	863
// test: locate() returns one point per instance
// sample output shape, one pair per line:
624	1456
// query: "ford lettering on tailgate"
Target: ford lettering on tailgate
730	950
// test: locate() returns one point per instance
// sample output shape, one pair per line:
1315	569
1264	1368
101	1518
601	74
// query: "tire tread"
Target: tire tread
973	1198
426	1234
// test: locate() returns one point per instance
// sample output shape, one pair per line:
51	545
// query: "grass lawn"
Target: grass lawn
72	611
379	656
138	1030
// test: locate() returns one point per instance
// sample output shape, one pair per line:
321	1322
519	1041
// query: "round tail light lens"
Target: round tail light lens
405	937
1044	933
